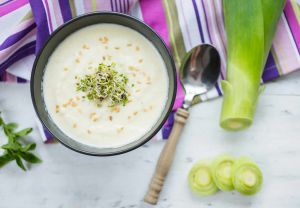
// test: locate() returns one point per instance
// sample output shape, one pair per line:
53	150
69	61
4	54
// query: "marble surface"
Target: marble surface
67	179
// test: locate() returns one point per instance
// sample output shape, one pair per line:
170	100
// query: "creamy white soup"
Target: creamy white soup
105	122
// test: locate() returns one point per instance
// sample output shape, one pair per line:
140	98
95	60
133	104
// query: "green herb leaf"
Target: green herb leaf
20	163
11	126
1	121
15	149
4	159
14	146
23	132
29	157
28	147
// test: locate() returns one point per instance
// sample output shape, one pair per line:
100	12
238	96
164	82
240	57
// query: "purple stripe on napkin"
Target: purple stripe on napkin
16	37
128	5
48	136
270	71
22	52
2	4
112	5
218	89
21	80
167	128
66	8
40	18
198	21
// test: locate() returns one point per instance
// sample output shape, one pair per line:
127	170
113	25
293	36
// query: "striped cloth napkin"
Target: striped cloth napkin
182	24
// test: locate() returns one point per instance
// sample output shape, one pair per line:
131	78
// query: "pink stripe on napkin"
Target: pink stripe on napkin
293	23
154	15
48	15
103	5
11	6
57	12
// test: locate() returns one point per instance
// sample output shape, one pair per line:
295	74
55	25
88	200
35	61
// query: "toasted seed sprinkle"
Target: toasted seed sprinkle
74	104
129	94
135	113
137	48
103	58
95	119
65	105
85	46
77	98
74	125
129	117
115	109
89	131
139	82
140	60
110	118
92	114
66	69
77	60
145	110
105	39
120	129
57	108
117	48
132	68
129	44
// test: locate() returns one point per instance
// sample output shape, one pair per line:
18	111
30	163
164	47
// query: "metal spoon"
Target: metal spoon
199	72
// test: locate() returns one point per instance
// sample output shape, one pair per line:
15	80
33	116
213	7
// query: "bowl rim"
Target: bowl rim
130	148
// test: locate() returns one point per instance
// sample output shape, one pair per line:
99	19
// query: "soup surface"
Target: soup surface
99	122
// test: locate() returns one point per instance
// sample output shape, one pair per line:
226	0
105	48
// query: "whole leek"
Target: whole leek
250	28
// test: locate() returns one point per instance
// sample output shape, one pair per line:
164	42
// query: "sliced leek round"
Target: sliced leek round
247	178
200	179
222	172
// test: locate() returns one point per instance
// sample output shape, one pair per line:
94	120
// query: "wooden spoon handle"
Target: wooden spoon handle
166	157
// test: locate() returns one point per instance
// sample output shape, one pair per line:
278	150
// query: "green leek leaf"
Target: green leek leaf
250	28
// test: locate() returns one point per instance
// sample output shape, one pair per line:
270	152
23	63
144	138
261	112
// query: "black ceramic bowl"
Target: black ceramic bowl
58	36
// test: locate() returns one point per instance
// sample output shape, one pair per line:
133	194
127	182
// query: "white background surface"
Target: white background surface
67	179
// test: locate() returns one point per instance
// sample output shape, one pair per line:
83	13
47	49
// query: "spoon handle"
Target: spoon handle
166	158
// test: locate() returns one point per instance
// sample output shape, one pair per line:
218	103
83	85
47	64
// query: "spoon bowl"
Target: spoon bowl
199	71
